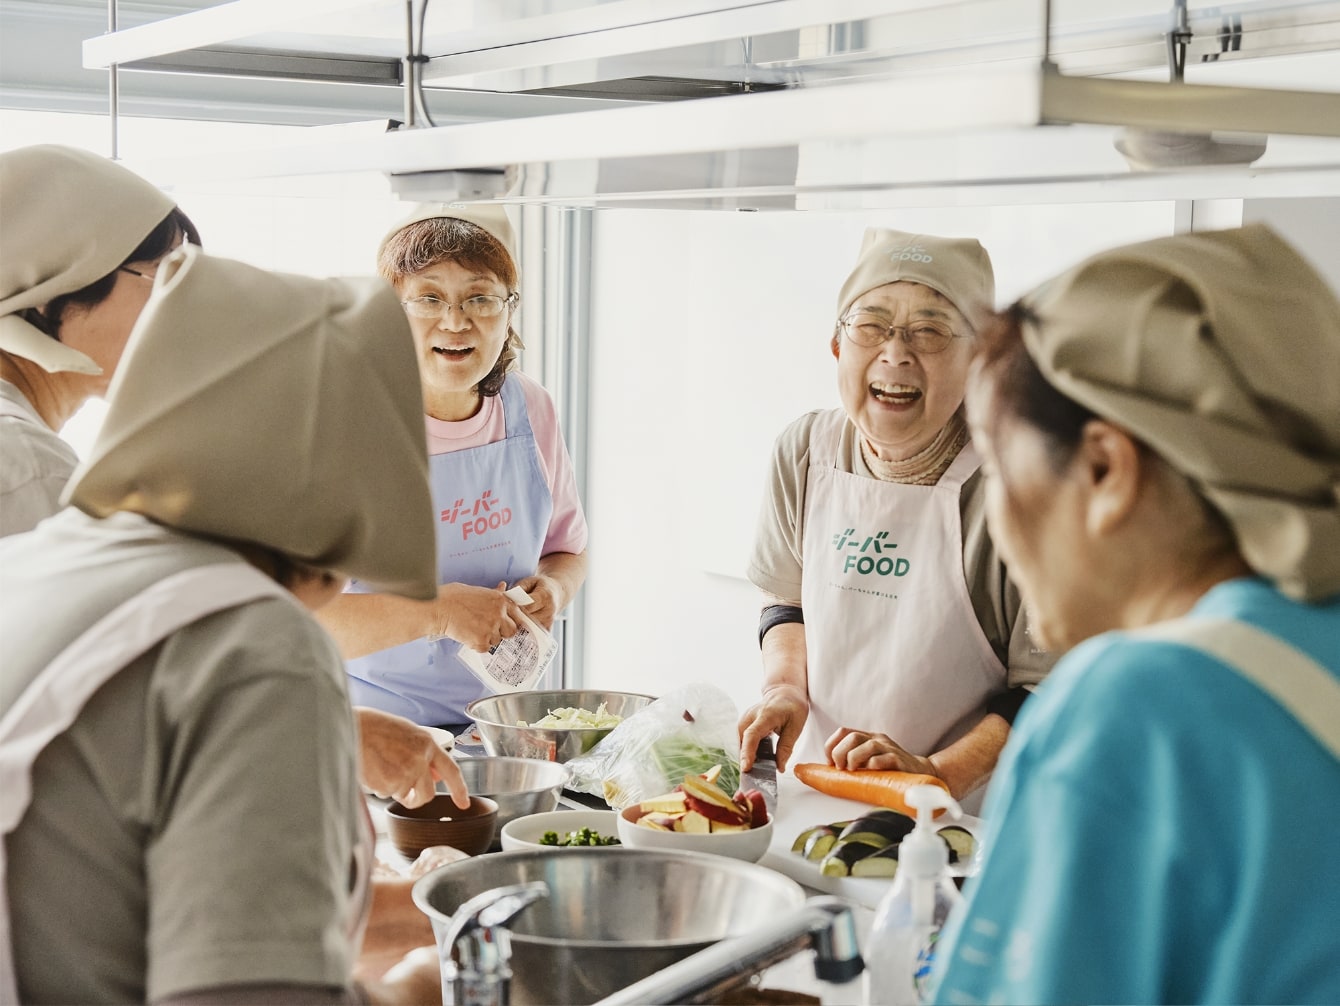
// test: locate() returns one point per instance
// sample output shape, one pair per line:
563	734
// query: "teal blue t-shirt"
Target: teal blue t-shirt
1160	830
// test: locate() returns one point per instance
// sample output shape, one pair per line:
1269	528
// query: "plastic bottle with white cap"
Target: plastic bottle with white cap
901	946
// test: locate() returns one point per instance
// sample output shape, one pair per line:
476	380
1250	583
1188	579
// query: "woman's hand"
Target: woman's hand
782	710
546	598
853	749
401	760
477	617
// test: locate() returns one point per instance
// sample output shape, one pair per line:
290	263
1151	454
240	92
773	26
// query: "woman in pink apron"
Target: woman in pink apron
891	636
182	813
1162	427
504	495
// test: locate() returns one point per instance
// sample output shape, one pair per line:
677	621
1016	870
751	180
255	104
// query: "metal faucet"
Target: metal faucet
476	953
824	924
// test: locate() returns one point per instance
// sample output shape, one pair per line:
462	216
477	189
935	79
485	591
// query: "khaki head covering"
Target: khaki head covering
67	218
958	268
492	217
1221	351
275	409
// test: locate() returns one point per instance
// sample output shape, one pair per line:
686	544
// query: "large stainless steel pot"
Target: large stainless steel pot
613	916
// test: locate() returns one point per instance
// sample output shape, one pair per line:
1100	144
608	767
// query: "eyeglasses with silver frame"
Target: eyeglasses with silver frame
481	308
872	330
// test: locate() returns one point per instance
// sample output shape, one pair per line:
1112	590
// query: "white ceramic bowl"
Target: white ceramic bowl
749	846
526	832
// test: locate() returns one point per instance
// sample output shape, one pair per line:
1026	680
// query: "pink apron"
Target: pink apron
51	704
892	642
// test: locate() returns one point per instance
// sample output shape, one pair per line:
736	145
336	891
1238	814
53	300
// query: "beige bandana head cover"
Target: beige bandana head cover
68	217
1220	350
958	268
275	409
492	217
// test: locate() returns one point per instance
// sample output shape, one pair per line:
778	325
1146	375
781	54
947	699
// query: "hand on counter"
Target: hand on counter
853	749
401	760
415	978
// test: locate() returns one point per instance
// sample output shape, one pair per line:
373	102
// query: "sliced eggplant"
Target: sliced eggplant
798	846
889	824
883	863
844	856
818	845
961	844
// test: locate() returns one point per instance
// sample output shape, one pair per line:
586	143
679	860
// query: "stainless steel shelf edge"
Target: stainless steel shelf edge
838	126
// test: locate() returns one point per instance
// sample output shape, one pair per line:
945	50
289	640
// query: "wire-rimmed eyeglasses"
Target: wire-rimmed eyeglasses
923	336
479	308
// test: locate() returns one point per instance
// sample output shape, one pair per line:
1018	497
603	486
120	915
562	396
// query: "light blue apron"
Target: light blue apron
493	507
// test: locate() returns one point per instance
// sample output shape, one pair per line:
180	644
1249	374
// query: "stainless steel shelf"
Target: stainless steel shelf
810	103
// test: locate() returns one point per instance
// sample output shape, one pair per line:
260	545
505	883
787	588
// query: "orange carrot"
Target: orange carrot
881	787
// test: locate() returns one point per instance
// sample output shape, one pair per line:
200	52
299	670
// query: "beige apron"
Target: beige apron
892	642
49	706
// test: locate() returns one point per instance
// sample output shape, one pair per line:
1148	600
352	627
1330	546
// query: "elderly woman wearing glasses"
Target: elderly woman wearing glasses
504	495
891	635
82	238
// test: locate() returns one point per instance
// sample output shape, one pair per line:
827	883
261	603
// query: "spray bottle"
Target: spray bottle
901	947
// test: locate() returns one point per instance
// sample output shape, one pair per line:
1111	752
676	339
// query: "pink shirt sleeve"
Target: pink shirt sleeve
567	526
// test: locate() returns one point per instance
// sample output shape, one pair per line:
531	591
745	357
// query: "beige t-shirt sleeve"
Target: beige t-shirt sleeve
249	874
776	563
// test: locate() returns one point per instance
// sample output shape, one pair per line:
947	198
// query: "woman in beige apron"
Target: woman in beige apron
80	245
1162	424
183	815
891	637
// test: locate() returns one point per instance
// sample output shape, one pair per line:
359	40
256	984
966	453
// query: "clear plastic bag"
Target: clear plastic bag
687	730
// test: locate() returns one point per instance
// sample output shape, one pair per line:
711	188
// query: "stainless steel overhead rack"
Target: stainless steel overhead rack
779	103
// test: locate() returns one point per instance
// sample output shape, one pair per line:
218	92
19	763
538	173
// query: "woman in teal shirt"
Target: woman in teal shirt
1161	429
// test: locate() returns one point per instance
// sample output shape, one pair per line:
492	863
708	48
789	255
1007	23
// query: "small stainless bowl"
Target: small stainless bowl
501	721
519	786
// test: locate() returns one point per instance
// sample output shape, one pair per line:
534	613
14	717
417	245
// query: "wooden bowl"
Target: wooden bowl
441	822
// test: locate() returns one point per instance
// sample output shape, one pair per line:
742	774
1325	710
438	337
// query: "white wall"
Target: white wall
710	333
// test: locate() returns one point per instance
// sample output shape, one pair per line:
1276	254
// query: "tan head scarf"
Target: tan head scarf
1221	351
958	268
67	218
275	409
492	217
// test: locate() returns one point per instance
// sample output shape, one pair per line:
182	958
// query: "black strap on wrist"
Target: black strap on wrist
778	614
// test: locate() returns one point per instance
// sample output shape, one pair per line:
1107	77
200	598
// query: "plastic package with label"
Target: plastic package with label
687	730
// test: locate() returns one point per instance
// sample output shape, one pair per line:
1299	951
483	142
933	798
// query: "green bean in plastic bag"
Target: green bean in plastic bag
686	731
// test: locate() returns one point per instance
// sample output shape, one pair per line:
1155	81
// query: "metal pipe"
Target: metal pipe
824	924
407	74
113	94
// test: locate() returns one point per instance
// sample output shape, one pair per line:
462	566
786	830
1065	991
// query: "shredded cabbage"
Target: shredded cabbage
569	718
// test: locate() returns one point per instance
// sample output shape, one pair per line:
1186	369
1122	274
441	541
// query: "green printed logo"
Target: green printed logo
868	557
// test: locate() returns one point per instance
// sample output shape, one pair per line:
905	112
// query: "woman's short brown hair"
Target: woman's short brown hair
425	243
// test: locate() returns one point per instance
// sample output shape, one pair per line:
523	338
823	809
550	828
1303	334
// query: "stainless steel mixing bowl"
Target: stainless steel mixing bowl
519	786
613	916
501	721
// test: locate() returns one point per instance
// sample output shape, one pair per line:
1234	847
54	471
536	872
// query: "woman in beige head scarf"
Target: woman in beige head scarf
891	636
1162	432
183	820
80	240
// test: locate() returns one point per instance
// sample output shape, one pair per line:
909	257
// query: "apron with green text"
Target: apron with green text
892	643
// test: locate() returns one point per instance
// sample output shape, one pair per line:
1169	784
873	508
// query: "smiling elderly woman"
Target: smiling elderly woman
1162	431
891	636
503	485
